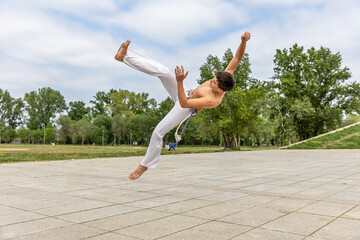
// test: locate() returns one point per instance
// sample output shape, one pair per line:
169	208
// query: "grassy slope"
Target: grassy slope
346	139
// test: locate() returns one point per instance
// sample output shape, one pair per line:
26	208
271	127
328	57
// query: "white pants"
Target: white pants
173	118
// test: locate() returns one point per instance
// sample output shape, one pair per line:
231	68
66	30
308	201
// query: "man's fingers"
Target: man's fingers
186	73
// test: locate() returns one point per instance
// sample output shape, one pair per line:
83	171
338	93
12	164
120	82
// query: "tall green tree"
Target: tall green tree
42	107
100	104
127	103
84	130
77	110
11	110
118	127
313	90
24	134
240	106
102	124
64	123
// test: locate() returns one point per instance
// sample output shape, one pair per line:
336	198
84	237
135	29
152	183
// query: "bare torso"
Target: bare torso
205	91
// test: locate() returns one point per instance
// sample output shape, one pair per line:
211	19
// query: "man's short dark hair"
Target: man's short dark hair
226	80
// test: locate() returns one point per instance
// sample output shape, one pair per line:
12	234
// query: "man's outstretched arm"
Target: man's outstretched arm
198	103
239	53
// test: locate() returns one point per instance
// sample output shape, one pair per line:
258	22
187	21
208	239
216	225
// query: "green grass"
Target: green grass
25	152
346	139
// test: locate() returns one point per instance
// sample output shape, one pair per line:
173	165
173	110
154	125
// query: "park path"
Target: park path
274	194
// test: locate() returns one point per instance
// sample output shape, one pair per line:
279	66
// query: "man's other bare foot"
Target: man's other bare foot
138	172
122	51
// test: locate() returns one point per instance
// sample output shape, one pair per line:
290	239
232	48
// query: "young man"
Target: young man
207	95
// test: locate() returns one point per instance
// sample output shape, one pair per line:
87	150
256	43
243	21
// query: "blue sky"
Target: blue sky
69	45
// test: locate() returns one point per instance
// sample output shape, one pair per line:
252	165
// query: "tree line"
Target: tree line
309	93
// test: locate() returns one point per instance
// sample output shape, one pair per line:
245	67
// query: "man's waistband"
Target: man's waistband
187	93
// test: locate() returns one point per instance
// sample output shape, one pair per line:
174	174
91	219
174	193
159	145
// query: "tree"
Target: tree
11	110
74	131
84	130
77	110
312	90
42	107
100	104
240	106
128	103
65	125
102	124
118	127
11	135
37	135
23	134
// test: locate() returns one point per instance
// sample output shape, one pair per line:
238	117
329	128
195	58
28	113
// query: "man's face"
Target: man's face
215	85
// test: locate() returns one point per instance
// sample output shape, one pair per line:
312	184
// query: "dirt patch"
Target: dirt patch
13	149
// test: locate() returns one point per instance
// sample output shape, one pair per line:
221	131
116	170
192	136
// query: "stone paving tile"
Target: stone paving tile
354	189
306	184
316	193
327	208
132	197
254	199
184	206
340	229
35	226
288	204
353	213
5	210
286	190
93	214
161	227
347	196
20	216
298	223
209	231
71	232
254	216
260	187
126	220
43	202
217	210
221	196
262	234
111	236
70	208
154	202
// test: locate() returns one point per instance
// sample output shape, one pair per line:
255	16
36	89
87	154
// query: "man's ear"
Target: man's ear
220	90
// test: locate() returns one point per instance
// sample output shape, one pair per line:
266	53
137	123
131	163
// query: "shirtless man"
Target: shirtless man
207	95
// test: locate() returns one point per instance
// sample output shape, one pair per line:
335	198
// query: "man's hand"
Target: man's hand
246	36
179	73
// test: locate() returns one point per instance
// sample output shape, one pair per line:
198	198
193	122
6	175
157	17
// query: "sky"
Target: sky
69	45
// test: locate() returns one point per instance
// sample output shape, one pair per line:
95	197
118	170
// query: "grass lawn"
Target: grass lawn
26	152
36	152
346	139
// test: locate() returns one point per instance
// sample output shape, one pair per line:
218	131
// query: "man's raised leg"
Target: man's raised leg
122	51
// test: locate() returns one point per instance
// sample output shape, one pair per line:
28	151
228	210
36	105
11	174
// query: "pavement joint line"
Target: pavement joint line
250	192
290	212
332	220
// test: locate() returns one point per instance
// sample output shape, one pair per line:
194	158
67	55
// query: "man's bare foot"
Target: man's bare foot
138	172
122	51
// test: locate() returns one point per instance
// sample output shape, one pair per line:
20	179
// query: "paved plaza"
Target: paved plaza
275	194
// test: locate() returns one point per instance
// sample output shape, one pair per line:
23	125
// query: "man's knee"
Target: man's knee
157	135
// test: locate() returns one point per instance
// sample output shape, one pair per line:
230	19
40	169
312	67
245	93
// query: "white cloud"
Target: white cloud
172	22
